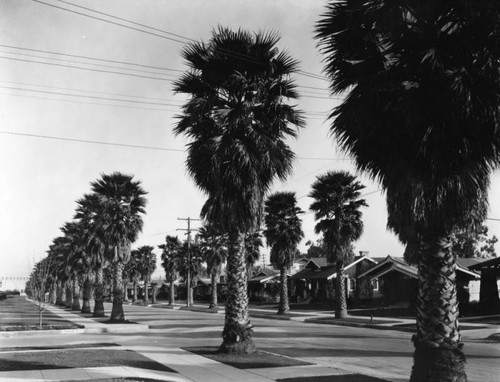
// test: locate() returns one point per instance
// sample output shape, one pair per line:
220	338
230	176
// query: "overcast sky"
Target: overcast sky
112	83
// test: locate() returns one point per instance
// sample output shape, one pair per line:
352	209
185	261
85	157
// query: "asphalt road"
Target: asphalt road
379	353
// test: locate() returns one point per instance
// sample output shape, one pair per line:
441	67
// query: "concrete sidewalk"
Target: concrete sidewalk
187	366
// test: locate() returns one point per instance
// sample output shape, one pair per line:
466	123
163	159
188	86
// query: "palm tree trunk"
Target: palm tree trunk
60	294
146	297
153	293
76	295
237	333
86	295
125	291
69	295
438	351
213	296
341	308
284	307
171	298
117	314
134	296
99	293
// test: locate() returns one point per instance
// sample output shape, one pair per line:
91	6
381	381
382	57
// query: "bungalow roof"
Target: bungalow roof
399	265
264	276
493	263
327	273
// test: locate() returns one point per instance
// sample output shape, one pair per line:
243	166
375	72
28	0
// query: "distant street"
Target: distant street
378	353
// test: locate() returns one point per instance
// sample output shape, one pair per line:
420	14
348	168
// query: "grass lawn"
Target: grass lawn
256	360
76	358
335	378
348	320
17	313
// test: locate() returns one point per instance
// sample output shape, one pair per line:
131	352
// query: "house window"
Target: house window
352	284
375	284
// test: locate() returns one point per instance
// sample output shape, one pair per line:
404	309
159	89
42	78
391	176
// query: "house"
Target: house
264	286
489	289
396	281
316	281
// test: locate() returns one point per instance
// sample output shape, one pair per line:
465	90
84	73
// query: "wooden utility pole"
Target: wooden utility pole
188	284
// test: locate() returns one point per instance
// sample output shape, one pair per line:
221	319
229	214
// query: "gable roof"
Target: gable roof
264	275
390	264
399	265
327	273
491	263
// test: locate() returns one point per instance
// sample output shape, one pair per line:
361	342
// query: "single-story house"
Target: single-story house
264	286
316	281
397	281
490	285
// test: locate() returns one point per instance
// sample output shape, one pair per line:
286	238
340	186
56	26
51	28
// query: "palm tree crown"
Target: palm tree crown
122	205
237	117
283	227
336	207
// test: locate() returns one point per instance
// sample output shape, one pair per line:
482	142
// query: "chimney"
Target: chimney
364	253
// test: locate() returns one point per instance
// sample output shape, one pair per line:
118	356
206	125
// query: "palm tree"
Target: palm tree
132	272
145	260
283	233
237	121
169	262
88	211
336	207
213	245
122	200
421	117
189	261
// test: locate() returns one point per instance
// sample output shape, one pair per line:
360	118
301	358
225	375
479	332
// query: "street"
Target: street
386	354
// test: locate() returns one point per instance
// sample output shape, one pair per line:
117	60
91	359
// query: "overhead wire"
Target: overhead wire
6	132
87	96
89	91
89	103
92	58
88	69
186	39
90	141
84	63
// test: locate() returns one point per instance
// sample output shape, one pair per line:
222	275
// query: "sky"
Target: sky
86	89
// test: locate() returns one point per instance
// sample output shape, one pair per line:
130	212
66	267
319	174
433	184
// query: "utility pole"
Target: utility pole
188	284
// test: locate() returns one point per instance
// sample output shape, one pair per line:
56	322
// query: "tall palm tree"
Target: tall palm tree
213	245
88	211
132	272
169	262
421	117
122	200
283	233
336	205
145	260
237	120
190	261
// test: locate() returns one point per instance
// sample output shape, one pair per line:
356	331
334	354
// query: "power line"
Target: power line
108	21
90	141
227	52
128	21
120	144
89	91
92	58
89	103
87	96
89	69
84	63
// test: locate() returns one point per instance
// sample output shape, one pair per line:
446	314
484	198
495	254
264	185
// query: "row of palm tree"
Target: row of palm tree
420	116
106	222
238	120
